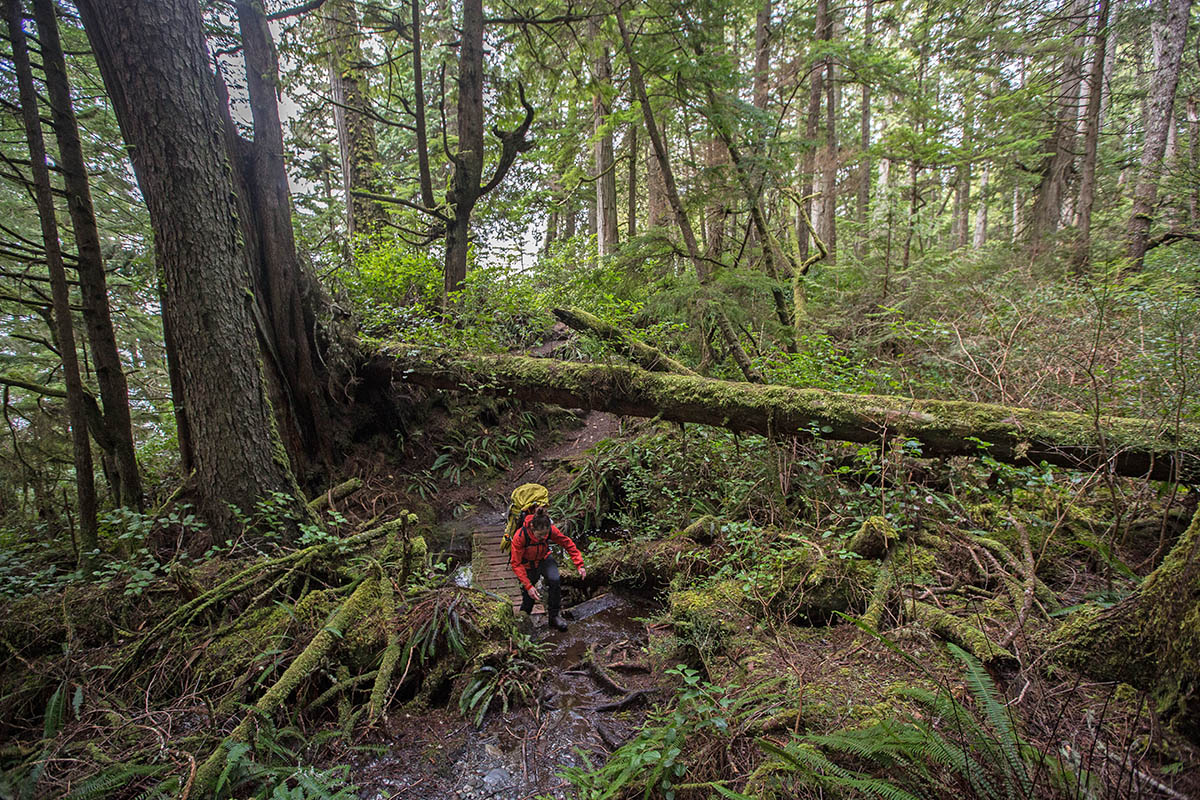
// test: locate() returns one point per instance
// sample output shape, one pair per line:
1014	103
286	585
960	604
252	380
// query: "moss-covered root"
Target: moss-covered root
335	494
874	537
961	633
346	616
702	531
1151	639
391	654
873	617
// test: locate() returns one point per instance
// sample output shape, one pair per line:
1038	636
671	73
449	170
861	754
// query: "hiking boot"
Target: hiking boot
557	623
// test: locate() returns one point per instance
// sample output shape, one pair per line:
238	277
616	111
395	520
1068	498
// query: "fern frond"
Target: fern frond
112	779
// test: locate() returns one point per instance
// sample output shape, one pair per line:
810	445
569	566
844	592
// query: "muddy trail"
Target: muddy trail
589	696
592	694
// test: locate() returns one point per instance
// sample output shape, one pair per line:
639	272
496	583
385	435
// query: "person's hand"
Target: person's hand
582	573
537	598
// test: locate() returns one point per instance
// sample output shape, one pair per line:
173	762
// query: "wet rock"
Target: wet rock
495	778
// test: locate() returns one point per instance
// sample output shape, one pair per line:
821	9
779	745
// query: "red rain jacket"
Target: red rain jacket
526	551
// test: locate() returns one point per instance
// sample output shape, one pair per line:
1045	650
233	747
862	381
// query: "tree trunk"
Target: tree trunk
155	65
681	217
110	376
1060	147
812	126
1091	139
1126	446
603	158
1193	118
85	478
1160	114
285	290
468	162
1151	639
981	211
631	198
827	227
351	117
864	134
762	55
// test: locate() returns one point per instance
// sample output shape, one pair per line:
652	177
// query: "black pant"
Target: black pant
548	569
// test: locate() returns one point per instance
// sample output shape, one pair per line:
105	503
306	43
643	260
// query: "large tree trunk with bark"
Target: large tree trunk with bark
1173	32
1126	446
155	65
1151	639
287	293
124	477
85	486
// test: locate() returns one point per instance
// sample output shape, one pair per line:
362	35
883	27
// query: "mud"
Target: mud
521	754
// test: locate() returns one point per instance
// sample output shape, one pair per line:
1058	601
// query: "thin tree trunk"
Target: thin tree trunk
762	55
156	68
681	218
981	210
1160	113
85	478
812	125
631	198
468	163
355	129
606	175
419	110
110	376
828	158
1091	138
864	135
1193	118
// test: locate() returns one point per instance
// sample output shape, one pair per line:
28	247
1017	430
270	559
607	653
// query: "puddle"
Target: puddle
519	754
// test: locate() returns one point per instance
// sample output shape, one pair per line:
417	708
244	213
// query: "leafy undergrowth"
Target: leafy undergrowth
861	622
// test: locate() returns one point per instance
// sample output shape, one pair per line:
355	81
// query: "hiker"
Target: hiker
531	560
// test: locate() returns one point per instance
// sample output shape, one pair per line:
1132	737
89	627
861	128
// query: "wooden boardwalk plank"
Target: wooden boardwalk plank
490	568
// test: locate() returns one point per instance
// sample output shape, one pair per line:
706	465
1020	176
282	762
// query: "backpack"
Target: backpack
524	499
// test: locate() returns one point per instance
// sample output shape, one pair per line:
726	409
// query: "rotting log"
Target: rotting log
1126	446
642	354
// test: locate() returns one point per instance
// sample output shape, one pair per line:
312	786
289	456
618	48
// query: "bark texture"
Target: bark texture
156	68
286	292
1127	446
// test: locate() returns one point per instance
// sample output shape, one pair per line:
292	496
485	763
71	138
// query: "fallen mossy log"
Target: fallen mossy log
1125	446
640	353
335	494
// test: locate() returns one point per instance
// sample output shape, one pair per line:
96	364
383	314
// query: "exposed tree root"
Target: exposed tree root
300	668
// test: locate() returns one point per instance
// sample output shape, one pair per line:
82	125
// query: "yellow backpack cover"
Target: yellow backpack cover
524	498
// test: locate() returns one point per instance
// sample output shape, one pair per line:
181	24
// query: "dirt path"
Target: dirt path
515	755
519	754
